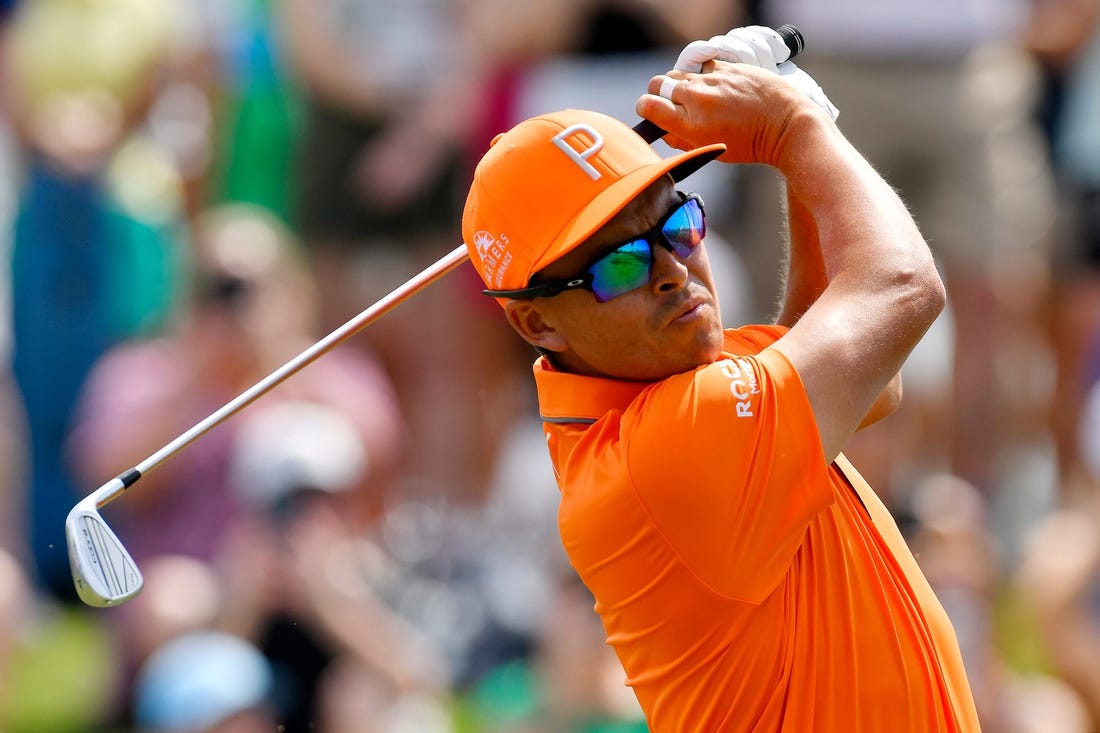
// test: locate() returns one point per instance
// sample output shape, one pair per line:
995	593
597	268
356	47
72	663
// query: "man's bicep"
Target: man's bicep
843	365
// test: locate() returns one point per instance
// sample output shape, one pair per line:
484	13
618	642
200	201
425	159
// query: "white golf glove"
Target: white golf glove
759	46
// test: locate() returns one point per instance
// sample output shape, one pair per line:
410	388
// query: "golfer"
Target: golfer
746	575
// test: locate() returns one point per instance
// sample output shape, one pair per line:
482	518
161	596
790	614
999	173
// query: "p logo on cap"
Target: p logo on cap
580	157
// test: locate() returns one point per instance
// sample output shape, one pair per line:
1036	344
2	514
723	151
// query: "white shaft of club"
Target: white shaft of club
108	492
418	282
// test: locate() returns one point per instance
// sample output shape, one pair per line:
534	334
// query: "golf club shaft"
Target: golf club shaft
112	489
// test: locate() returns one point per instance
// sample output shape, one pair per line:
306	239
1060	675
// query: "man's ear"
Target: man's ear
529	323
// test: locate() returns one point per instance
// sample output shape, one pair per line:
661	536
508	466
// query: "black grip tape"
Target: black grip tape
649	131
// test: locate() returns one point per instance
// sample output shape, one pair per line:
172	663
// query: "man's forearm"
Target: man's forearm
871	249
803	269
804	281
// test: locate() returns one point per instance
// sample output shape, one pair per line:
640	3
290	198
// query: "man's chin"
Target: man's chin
710	345
703	354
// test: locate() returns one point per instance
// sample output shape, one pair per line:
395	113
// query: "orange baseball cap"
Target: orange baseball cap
550	182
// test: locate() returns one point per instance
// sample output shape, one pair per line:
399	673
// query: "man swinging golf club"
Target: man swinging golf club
746	575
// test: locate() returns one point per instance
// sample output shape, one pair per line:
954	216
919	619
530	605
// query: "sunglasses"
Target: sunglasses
629	265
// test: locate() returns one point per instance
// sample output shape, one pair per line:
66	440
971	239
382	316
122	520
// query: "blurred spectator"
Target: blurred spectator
394	91
95	252
962	559
181	595
619	43
13	448
205	682
1060	573
57	667
391	89
1059	577
297	580
294	580
966	565
15	607
573	683
938	96
1064	37
13	500
257	107
249	310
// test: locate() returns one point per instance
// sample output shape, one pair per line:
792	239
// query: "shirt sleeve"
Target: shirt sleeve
728	463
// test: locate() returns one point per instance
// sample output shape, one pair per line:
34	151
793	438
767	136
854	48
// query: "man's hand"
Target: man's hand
747	107
755	46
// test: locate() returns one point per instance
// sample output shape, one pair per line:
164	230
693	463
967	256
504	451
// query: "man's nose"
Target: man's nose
669	271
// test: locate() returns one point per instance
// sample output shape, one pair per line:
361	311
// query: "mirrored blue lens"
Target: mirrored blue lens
686	228
622	270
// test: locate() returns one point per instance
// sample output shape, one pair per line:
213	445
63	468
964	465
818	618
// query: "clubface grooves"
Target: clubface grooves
103	572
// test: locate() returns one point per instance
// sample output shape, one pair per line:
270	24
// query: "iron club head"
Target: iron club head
103	571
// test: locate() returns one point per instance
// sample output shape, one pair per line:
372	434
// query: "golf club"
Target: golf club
103	571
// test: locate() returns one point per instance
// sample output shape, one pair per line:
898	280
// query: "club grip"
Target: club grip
649	131
792	39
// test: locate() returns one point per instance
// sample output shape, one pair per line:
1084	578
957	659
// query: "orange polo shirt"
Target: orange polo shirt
745	584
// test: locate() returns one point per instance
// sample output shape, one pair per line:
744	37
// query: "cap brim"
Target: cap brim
614	199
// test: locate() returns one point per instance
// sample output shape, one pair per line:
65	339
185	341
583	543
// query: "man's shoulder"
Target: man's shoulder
565	397
752	339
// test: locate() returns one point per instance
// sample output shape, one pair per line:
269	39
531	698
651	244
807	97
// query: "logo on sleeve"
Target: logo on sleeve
743	384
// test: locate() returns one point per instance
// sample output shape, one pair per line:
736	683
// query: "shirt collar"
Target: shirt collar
573	398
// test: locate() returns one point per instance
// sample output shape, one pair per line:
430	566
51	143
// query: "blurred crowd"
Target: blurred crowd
194	191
